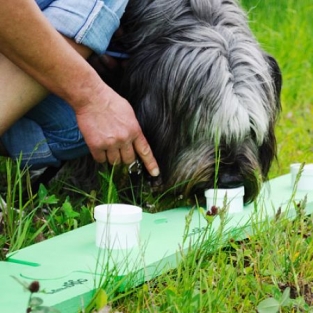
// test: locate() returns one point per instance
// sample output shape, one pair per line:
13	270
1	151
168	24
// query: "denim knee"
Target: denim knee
46	135
26	142
59	126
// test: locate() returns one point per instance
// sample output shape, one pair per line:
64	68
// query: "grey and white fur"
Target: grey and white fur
205	93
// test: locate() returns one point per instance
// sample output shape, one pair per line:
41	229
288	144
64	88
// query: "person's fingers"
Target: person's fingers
145	154
128	154
113	156
98	155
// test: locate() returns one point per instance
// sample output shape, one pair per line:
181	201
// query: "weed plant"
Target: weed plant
29	219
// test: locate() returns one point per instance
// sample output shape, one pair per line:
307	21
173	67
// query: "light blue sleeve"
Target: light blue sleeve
89	22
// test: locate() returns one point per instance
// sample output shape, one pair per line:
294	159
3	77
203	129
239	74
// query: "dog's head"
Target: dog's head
206	95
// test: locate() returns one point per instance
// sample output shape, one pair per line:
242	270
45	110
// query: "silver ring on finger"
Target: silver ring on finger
135	168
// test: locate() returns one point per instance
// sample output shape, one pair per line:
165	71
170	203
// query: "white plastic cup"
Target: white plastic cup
234	198
306	179
117	226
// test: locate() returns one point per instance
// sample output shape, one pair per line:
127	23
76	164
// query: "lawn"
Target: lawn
275	263
284	29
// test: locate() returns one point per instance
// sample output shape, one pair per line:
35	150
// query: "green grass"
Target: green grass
237	278
271	271
285	29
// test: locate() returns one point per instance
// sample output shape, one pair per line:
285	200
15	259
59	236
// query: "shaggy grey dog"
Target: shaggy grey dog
206	95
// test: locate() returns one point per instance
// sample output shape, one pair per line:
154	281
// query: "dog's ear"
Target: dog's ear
268	150
276	76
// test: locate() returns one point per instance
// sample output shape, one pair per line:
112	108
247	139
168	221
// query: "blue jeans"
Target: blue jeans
48	134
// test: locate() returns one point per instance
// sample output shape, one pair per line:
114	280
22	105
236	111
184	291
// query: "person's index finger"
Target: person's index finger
145	154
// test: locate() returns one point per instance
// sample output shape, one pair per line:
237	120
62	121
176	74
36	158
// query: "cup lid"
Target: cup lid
307	168
220	193
118	213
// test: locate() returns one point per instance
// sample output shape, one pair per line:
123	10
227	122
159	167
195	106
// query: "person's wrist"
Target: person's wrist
91	92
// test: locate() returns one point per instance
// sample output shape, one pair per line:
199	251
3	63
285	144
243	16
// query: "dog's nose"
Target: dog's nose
229	180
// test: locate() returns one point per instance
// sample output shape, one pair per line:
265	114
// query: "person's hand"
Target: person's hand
112	131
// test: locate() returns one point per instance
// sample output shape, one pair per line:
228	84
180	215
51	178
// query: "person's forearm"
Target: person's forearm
30	42
19	91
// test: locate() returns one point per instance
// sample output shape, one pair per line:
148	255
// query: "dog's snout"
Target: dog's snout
229	180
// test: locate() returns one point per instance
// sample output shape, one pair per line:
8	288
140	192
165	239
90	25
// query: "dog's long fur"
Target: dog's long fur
205	94
199	81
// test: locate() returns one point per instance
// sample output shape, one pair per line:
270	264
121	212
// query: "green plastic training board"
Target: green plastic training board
70	267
